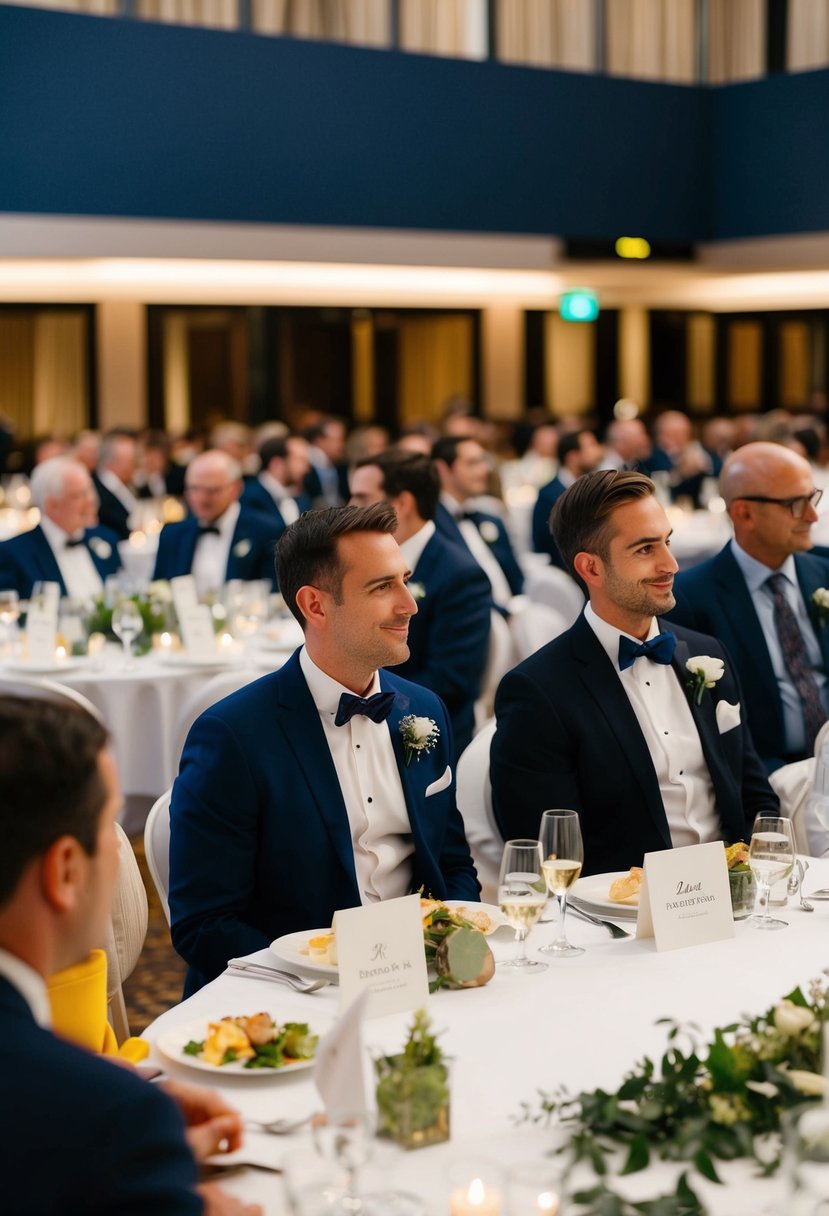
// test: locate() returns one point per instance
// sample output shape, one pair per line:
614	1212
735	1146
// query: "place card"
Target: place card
42	626
380	950
197	634
183	591
685	898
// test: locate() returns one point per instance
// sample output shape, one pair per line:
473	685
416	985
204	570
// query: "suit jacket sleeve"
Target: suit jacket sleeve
12	575
454	660
455	861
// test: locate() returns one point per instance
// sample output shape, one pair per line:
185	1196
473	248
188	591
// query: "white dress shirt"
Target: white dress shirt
381	834
671	734
286	504
30	984
83	582
116	486
481	551
756	575
212	552
412	548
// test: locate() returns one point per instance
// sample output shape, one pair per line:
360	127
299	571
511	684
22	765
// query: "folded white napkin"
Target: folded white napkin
338	1071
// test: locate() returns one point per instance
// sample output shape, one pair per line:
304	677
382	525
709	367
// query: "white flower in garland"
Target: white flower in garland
705	672
242	548
100	547
419	735
488	531
820	599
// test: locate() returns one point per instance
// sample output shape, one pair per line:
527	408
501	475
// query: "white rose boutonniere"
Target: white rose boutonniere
416	590
488	531
419	735
820	599
100	547
242	548
705	672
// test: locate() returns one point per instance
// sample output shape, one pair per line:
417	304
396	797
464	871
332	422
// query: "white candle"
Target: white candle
60	654
474	1200
165	641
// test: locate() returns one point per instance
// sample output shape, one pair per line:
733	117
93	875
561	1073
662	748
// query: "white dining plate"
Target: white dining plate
46	667
592	891
172	1043
180	658
496	917
289	949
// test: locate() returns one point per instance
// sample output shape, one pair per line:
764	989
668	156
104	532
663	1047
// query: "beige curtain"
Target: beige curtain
59	389
220	14
435	356
553	33
808	34
444	27
76	6
17	371
736	40
366	22
652	40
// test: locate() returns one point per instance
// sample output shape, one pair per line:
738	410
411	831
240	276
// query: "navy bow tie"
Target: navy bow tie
660	649
377	707
209	530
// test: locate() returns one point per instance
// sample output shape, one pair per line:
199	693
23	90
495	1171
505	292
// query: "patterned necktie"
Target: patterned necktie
660	649
796	660
377	707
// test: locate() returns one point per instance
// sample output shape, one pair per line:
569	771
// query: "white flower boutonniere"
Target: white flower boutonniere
100	547
705	672
488	531
820	599
419	735
416	590
242	548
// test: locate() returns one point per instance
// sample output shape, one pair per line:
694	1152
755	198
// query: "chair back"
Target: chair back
537	625
793	783
474	797
40	689
551	586
216	688
126	933
157	848
500	659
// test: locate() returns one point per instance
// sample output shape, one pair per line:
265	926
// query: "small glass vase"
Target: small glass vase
412	1103
742	893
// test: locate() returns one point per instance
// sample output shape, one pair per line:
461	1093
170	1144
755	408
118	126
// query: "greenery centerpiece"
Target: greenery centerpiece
413	1089
703	1103
154	605
741	880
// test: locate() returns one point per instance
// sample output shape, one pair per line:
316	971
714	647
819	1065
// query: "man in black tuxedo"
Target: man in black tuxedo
757	597
113	481
607	719
449	636
579	452
277	490
113	1143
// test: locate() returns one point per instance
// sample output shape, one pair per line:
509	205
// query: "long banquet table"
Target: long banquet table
581	1024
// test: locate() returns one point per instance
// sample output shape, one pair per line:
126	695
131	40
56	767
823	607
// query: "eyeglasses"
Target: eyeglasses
797	505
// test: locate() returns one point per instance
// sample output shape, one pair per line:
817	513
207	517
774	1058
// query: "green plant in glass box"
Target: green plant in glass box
413	1090
741	880
155	608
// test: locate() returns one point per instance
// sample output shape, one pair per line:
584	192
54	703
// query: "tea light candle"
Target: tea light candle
475	1200
225	642
165	642
61	654
533	1189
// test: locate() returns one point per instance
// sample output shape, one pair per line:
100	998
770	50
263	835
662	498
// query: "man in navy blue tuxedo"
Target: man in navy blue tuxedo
222	539
326	482
449	636
66	547
463	468
113	481
113	1143
277	490
608	719
756	596
299	794
578	452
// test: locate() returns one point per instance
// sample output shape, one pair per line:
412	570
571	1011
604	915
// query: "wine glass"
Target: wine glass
127	624
522	894
346	1137
771	857
562	853
9	613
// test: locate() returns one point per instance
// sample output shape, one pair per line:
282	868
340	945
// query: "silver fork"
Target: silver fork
259	971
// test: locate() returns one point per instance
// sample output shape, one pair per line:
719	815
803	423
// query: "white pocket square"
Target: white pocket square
440	784
728	716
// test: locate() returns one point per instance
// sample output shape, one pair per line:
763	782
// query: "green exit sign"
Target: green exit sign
579	306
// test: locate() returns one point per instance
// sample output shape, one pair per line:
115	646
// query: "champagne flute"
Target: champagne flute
522	894
346	1137
127	624
9	614
562	853
771	856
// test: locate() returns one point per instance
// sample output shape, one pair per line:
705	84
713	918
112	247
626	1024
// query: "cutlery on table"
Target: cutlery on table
259	971
613	930
279	1127
795	885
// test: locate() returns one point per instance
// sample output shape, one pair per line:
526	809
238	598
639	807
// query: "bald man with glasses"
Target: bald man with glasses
757	597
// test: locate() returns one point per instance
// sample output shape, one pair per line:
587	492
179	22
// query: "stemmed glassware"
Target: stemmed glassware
127	624
347	1137
9	614
771	856
562	853
522	894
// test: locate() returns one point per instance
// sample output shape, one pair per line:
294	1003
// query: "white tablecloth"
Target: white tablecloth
581	1024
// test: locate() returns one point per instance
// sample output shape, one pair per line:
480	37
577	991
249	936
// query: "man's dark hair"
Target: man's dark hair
275	448
580	519
446	448
571	442
809	440
307	552
408	471
50	784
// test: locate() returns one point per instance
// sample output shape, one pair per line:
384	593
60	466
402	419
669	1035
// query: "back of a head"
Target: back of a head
446	448
580	519
50	783
408	471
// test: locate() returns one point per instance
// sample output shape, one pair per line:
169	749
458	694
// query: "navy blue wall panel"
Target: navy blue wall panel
107	117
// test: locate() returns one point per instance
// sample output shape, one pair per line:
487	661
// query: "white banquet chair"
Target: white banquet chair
157	848
793	784
500	659
42	689
216	688
474	797
551	586
537	625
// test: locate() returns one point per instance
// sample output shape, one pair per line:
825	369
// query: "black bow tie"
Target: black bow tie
209	530
660	649
73	544
377	707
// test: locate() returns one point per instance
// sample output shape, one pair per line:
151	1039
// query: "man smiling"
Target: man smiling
298	795
603	721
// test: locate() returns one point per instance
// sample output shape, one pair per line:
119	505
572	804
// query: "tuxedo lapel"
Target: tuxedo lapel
747	639
704	714
810	578
408	775
188	537
48	569
103	564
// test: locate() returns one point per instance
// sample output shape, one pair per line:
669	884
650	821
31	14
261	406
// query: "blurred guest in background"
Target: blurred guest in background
87	448
327	481
579	452
628	445
155	476
278	489
113	481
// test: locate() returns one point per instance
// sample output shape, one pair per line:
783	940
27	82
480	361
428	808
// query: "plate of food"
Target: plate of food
486	917
615	894
251	1045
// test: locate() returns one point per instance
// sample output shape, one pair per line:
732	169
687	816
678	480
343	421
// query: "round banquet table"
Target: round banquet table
582	1024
